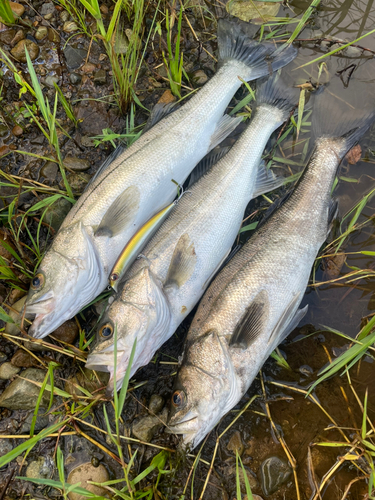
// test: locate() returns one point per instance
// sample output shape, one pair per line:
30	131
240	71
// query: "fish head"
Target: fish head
67	279
202	390
140	313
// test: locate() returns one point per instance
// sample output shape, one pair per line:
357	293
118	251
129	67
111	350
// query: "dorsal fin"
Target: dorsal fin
224	127
206	163
182	263
107	162
158	112
252	323
120	214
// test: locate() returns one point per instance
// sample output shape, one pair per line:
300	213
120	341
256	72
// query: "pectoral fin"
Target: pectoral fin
183	262
288	321
225	126
120	214
253	322
266	180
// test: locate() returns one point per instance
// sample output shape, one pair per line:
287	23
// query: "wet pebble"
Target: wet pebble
12	328
76	164
88	68
200	77
274	472
49	171
156	404
17	8
235	443
17	130
146	427
41	33
47	8
7	36
18	52
67	332
22	359
51	80
75	78
70	27
56	213
88	472
78	181
22	394
42	468
74	56
4	131
64	16
100	77
5	446
53	36
8	371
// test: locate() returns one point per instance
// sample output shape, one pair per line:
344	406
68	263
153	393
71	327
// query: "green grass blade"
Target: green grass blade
247	484
364	418
303	21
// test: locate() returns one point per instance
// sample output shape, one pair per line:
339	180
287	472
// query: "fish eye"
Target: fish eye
114	277
37	282
106	331
179	399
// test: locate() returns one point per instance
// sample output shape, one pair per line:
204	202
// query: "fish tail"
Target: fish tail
276	93
340	115
259	59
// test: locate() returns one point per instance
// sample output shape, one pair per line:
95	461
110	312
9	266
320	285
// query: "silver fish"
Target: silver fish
179	262
253	303
139	183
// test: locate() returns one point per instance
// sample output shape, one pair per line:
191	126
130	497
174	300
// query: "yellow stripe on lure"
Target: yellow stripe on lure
137	242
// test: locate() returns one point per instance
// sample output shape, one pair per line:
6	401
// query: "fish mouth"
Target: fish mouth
43	308
188	426
104	362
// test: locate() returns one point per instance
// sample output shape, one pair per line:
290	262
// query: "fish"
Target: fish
138	183
177	265
254	302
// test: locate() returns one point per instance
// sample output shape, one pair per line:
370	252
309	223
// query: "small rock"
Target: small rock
88	68
22	394
17	8
50	80
75	78
4	131
306	370
22	359
12	328
4	150
87	142
41	423
87	472
15	295
104	9
102	57
49	171
352	51
333	265
38	140
200	77
7	36
53	36
166	97
146	427
156	404
235	443
5	446
67	332
74	57
100	77
56	213
47	8
78	181
20	35
3	357
41	33
48	17
76	164
274	472
70	27
18	52
17	130
64	16
42	468
354	155
8	371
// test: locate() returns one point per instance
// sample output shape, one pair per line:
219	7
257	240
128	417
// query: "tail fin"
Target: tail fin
275	92
260	58
338	114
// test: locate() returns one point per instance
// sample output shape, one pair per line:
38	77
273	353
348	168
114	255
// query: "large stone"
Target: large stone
8	371
87	472
18	52
22	394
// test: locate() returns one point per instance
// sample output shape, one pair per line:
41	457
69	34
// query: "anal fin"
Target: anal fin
182	263
120	214
224	127
253	322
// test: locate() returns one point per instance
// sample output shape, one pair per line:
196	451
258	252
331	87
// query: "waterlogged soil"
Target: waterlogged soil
278	433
